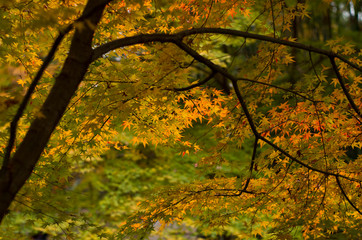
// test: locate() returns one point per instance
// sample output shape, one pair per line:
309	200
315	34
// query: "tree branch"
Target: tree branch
18	169
251	165
346	93
345	195
220	70
196	84
29	92
304	164
146	38
39	74
277	87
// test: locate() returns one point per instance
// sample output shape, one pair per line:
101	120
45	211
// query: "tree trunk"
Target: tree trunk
19	168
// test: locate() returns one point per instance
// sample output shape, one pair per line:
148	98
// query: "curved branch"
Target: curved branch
346	93
196	84
146	38
304	164
244	190
245	109
345	195
128	41
251	165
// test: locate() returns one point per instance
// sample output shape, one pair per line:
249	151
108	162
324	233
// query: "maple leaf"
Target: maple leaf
127	124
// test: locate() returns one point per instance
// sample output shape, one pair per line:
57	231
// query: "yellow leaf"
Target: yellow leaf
126	124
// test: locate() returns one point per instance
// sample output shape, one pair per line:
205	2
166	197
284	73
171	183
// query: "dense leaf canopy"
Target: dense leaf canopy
181	119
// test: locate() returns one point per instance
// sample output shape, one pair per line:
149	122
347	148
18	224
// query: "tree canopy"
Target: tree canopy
181	119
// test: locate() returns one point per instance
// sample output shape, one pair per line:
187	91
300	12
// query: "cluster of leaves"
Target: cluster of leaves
171	123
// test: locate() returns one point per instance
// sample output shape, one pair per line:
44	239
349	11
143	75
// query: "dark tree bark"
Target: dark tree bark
14	174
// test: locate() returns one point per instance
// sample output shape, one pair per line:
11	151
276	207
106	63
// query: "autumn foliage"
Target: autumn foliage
121	119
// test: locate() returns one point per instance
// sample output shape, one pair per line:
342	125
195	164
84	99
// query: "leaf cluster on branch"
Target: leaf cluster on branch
136	81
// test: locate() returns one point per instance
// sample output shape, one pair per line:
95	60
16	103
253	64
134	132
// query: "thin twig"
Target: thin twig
196	84
274	86
251	165
29	92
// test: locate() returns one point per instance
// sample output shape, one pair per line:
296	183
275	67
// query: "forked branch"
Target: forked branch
223	72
